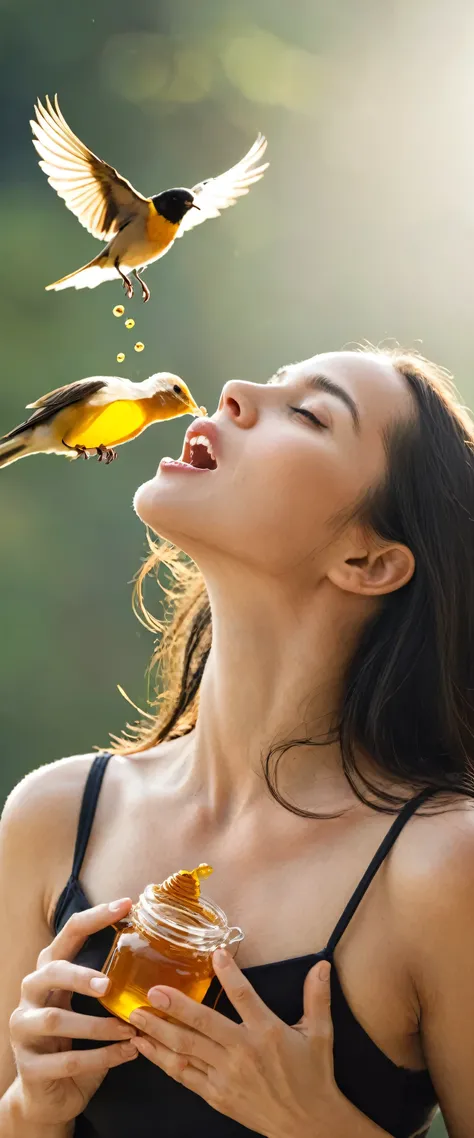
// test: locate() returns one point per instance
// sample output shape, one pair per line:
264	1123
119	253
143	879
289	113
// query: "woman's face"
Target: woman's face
290	455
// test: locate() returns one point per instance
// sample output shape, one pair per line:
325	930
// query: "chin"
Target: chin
153	511
170	514
190	512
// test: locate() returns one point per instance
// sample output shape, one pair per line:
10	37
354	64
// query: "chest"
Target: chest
285	886
160	232
106	425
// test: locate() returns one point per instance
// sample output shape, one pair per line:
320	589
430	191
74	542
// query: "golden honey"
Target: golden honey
168	937
118	310
139	346
120	357
130	323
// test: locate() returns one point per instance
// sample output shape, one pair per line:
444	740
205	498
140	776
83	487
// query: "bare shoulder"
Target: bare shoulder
46	795
50	796
38	825
432	875
39	818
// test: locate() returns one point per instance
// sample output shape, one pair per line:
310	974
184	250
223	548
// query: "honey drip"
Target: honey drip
183	886
139	959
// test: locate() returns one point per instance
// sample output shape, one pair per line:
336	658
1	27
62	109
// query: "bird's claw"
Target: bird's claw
145	290
106	454
80	450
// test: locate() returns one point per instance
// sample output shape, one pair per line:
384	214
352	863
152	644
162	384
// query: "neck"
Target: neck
274	674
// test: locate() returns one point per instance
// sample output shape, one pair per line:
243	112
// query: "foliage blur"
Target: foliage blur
363	228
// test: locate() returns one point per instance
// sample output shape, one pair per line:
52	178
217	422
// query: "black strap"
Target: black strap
88	808
384	848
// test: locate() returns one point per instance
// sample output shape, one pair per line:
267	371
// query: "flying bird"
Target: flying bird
96	415
137	230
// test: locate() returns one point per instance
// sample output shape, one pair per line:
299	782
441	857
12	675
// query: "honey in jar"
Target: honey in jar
167	938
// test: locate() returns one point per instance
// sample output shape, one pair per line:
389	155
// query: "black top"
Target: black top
139	1097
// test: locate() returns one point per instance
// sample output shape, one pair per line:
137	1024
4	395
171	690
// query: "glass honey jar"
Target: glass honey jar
168	937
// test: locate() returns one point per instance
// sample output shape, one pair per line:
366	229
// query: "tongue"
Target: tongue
200	457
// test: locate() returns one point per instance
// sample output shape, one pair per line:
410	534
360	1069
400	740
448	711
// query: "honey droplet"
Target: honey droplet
118	310
139	346
129	323
120	357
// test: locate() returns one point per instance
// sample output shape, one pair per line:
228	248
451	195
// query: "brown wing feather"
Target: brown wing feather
49	405
58	392
97	194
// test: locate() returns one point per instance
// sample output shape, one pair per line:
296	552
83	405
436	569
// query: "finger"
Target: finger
79	927
317	1002
253	1011
202	1019
36	1069
32	1024
61	974
176	1037
182	1068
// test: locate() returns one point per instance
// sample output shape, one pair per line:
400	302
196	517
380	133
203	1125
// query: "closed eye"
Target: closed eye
309	415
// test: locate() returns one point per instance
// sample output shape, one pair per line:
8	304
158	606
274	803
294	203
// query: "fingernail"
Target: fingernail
116	905
99	983
221	957
324	971
158	999
138	1019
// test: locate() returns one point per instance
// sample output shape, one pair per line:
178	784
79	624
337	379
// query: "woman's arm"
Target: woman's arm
33	830
348	1122
439	915
12	1119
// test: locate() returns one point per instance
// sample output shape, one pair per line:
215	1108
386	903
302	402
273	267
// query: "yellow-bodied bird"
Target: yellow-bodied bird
138	230
96	415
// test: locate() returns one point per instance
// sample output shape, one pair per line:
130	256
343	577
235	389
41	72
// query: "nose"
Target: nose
239	402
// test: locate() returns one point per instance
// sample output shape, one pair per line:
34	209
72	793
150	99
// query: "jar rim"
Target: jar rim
177	921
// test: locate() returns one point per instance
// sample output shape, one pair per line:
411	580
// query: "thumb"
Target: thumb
317	1001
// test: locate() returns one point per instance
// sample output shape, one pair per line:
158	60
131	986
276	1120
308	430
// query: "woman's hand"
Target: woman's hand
55	1082
271	1078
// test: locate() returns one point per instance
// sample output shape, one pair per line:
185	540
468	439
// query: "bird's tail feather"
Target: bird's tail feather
89	276
13	449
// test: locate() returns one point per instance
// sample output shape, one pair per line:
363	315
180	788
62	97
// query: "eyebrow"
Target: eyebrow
323	383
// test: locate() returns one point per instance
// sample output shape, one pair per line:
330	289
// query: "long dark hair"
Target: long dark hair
408	695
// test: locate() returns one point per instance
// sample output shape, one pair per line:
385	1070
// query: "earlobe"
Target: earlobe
375	572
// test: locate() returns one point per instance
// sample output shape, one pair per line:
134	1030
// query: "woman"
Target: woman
330	513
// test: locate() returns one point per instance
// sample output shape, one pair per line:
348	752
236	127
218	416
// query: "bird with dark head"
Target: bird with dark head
138	230
174	204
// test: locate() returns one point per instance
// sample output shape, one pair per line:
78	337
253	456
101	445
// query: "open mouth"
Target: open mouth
198	452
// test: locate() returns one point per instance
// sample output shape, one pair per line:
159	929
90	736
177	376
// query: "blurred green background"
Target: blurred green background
362	228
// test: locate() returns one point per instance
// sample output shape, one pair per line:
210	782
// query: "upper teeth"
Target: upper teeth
201	440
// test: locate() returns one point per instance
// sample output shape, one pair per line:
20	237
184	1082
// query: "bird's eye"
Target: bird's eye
177	389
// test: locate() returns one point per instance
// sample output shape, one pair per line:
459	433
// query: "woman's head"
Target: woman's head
377	501
294	457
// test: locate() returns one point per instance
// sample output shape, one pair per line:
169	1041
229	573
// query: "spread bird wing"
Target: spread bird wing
48	405
98	195
218	193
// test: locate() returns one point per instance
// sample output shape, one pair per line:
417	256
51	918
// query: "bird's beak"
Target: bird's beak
194	206
199	412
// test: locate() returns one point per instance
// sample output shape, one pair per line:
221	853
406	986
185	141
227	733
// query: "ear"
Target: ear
374	572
